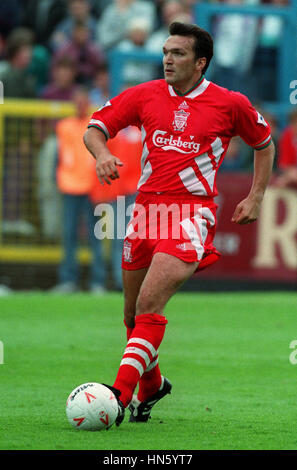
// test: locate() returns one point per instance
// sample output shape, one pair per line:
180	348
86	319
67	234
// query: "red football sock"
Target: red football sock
150	381
142	347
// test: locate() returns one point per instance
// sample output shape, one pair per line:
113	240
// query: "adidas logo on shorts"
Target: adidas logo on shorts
182	246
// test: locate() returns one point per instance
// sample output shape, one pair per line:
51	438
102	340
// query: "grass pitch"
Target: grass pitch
227	356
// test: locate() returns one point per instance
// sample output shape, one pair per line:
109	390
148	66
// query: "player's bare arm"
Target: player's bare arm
248	210
106	163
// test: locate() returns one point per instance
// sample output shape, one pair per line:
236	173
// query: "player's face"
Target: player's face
181	70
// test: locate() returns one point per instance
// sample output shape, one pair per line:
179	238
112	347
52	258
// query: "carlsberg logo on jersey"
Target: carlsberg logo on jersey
170	142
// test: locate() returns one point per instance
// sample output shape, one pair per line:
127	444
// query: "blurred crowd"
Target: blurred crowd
48	47
59	50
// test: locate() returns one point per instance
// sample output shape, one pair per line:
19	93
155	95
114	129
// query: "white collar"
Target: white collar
194	93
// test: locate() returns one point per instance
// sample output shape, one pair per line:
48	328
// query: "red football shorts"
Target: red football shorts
181	225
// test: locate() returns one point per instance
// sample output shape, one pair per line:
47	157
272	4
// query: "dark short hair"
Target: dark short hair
203	45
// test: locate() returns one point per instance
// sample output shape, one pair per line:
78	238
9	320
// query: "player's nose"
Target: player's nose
168	59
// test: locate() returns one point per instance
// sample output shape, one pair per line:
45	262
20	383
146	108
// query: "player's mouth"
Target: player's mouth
169	71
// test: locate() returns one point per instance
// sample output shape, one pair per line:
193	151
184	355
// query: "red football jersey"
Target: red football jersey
185	137
287	149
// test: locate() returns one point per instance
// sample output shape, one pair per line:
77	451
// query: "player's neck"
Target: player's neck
184	89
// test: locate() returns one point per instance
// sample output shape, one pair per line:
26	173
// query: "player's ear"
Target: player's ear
200	63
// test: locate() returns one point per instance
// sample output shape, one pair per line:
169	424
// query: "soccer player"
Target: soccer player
186	124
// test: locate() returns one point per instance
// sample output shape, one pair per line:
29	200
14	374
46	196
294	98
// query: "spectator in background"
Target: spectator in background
265	62
61	88
75	179
287	154
236	158
127	145
17	82
171	10
97	7
235	38
189	8
49	200
135	72
112	25
39	66
42	16
87	56
78	11
100	92
3	63
62	85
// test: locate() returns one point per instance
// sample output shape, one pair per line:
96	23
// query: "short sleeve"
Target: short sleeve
118	113
249	124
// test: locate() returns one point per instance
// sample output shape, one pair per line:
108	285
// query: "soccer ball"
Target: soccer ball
91	407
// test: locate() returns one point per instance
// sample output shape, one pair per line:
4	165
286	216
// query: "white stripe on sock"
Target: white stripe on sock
138	352
145	343
152	365
130	361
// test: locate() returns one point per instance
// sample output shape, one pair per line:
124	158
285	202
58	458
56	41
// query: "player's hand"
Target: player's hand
247	211
106	168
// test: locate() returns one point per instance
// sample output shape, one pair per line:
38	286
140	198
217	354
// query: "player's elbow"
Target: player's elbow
93	134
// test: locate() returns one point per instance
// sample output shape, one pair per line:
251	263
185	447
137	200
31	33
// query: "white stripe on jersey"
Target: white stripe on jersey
100	124
146	169
204	163
143	134
146	173
217	149
191	182
144	155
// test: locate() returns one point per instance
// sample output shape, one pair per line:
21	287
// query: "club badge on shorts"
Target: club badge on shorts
127	252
